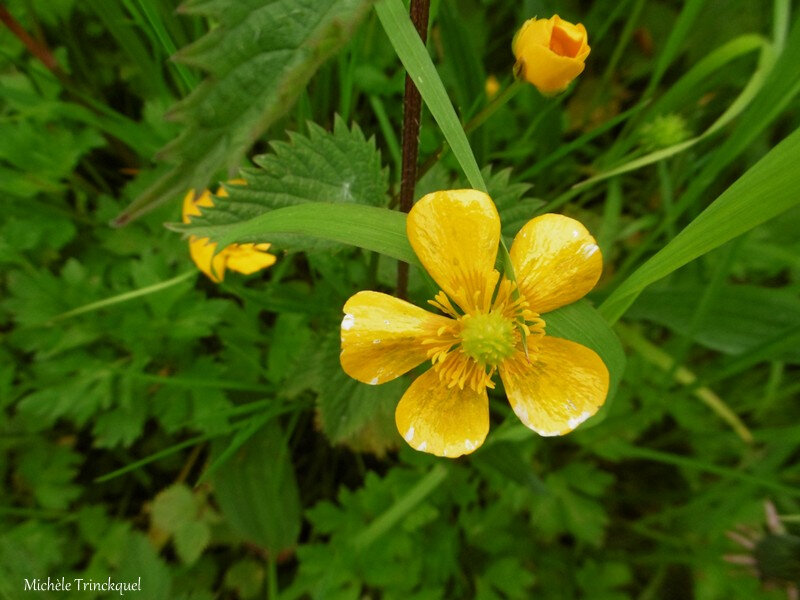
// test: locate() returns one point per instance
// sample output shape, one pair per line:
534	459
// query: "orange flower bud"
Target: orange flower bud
550	53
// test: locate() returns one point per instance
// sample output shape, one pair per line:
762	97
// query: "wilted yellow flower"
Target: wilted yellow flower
553	387
243	258
550	53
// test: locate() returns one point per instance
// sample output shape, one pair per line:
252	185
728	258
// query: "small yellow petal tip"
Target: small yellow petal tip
242	258
550	53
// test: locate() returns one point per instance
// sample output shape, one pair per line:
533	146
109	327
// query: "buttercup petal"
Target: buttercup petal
192	204
533	32
455	234
441	420
249	258
243	258
564	384
558	73
568	39
382	336
556	262
202	253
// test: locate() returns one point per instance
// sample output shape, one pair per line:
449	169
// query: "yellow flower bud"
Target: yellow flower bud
550	53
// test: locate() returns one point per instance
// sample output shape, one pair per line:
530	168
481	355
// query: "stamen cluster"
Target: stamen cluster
497	327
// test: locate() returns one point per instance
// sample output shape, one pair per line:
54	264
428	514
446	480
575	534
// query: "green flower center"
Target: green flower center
487	338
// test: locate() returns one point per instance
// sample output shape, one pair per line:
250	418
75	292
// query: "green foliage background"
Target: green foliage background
203	437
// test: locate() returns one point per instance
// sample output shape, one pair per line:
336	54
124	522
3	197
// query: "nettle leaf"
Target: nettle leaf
257	490
258	60
350	412
513	205
338	166
341	167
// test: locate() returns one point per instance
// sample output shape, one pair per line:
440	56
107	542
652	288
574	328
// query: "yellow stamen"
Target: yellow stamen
468	352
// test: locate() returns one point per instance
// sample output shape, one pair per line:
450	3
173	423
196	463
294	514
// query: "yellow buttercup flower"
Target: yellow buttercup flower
553	385
550	53
243	258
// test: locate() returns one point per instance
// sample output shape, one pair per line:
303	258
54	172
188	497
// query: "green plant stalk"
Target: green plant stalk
623	39
477	121
412	116
126	297
767	60
189	79
417	62
388	132
682	461
710	293
655	356
401	508
763	192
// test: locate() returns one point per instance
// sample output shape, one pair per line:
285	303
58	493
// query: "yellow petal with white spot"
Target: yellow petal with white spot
382	336
202	252
556	262
562	385
441	420
455	234
249	258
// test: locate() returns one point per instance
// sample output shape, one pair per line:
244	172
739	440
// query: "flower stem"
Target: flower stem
35	47
125	297
412	110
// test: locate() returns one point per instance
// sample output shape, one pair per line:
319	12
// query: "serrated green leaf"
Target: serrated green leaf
351	413
573	504
258	60
49	470
341	166
257	491
514	207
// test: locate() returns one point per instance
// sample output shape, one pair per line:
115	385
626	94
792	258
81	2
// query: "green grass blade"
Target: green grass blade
124	297
418	64
759	77
768	189
703	466
381	525
372	228
672	47
690	85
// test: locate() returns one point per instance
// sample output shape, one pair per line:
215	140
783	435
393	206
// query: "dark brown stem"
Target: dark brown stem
412	110
35	47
